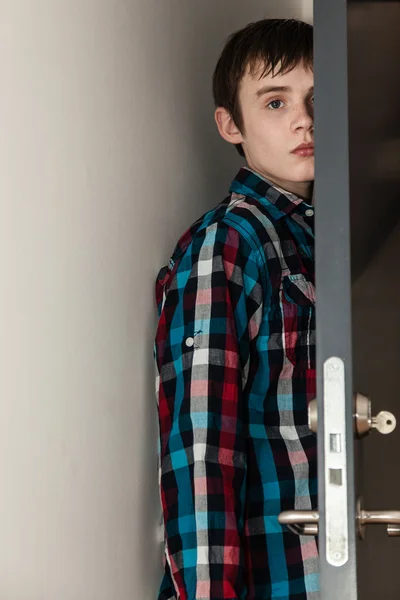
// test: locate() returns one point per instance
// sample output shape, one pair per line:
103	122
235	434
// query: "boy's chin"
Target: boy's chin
304	177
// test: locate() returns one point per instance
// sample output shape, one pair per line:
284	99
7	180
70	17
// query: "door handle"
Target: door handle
364	422
390	518
305	522
301	522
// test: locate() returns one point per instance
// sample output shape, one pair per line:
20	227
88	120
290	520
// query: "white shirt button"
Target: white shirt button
189	342
309	212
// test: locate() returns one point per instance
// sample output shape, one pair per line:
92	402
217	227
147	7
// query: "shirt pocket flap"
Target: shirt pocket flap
298	289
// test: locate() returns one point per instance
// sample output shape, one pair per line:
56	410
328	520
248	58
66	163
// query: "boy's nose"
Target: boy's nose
304	117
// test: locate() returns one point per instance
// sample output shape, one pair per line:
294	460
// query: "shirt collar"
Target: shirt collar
278	202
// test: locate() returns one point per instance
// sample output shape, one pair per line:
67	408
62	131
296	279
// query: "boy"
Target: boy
235	345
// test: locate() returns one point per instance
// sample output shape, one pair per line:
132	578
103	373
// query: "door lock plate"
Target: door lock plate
336	509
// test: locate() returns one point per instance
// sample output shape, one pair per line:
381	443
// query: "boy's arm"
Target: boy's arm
204	347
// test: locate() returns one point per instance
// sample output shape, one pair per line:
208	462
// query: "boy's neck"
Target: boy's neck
303	190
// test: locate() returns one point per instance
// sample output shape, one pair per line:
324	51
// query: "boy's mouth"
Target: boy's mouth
304	150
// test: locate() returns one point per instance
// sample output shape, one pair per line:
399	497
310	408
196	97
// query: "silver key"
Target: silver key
384	422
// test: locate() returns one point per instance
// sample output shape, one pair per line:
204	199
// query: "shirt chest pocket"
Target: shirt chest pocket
297	304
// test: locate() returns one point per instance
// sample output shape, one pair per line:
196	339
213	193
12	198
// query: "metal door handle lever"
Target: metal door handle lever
305	522
390	518
301	522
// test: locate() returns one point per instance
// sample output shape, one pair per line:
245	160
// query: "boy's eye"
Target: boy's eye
275	104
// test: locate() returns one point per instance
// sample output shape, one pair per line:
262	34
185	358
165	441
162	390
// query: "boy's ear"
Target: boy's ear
226	126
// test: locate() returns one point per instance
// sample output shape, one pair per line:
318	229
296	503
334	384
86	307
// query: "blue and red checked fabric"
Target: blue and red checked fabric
235	356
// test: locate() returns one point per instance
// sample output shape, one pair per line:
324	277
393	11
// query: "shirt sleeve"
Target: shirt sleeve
205	346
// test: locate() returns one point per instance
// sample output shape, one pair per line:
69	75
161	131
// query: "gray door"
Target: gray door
357	209
357	125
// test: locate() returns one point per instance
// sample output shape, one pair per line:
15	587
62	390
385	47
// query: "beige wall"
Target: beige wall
108	151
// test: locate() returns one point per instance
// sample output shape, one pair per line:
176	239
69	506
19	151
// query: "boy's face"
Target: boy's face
278	117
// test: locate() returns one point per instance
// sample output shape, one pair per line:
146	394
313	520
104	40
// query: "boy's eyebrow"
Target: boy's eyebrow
274	88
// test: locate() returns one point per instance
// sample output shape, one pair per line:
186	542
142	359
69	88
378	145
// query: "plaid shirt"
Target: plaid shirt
235	355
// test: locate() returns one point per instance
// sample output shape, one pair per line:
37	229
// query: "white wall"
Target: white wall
108	151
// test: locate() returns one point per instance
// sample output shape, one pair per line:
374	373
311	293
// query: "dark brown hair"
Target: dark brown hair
278	44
